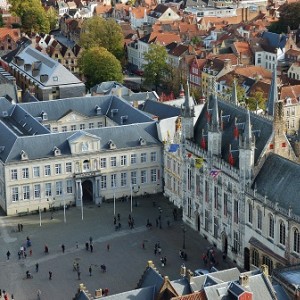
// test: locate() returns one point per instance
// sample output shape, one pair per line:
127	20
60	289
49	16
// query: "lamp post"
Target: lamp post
65	219
183	232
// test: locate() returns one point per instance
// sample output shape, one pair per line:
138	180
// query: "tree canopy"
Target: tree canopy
32	14
156	67
289	18
97	64
52	17
99	32
256	101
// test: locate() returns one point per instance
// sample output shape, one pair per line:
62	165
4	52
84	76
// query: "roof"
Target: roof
278	179
275	40
161	110
290	91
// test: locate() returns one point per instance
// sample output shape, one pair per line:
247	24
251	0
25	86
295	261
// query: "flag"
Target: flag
173	147
199	162
214	173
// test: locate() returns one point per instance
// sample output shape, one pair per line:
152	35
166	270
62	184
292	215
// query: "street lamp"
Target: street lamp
183	232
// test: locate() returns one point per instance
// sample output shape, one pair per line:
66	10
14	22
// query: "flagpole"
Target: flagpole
114	202
40	216
131	198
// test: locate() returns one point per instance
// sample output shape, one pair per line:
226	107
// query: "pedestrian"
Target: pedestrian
156	222
224	256
12	297
115	220
36	267
119	217
46	249
87	246
143	246
90	270
91	239
50	275
30	252
63	248
8	254
21	227
91	247
19	254
25	255
155	251
39	293
76	245
5	297
78	275
107	247
105	291
0	293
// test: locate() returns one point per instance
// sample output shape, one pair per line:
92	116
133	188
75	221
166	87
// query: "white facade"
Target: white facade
268	60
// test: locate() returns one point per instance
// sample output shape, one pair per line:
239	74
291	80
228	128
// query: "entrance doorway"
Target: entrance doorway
87	191
246	259
198	222
224	242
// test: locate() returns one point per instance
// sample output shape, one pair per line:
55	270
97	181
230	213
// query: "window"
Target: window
57	169
133	159
189	207
225	207
268	261
143	176
296	246
236	242
68	167
91	125
82	126
103	163
47	170
54	129
216	197
271	226
113	180
64	128
25	173
123	179
73	127
26	192
282	233
153	156
36	171
37	190
216	227
133	177
250	213
113	161
14	174
206	188
48	189
236	212
100	124
58	188
86	165
15	194
143	157
259	218
255	258
206	220
153	175
103	182
123	160
69	186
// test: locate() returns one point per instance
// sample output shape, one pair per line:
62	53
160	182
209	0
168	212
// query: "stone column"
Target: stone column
78	192
97	192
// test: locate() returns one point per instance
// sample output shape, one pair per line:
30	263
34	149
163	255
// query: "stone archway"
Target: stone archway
87	191
224	242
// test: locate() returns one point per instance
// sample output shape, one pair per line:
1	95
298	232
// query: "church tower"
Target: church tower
188	114
246	152
214	128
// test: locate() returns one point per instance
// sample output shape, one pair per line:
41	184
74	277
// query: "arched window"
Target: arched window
250	213
255	258
282	233
271	226
259	219
296	247
268	261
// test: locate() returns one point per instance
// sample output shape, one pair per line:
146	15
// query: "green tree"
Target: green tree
257	100
97	64
241	93
52	17
289	17
32	14
1	20
156	67
99	32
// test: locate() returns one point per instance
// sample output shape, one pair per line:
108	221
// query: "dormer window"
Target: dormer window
142	141
24	155
44	116
56	151
111	145
98	110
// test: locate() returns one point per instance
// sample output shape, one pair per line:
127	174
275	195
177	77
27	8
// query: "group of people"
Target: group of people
183	255
117	226
89	245
209	257
157	248
20	227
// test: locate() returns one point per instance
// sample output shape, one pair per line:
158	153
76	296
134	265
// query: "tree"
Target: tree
32	14
52	17
256	101
156	66
289	18
1	21
98	32
241	93
97	64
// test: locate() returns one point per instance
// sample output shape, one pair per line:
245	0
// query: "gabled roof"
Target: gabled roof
292	92
275	40
161	110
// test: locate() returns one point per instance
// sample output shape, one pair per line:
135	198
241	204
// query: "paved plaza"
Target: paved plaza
125	261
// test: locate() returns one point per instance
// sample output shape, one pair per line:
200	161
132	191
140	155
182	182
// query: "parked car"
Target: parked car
199	272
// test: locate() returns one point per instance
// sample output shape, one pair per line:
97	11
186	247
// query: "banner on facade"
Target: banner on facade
214	173
173	147
199	162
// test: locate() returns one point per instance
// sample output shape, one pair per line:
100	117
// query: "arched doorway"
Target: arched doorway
198	222
224	242
87	191
246	259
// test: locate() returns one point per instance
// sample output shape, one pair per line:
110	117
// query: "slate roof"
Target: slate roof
161	110
151	278
262	128
278	179
275	40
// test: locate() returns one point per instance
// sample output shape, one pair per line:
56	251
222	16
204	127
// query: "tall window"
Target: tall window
271	226
37	191
113	161
216	197
103	182
68	167
26	192
25	173
236	211
48	189
143	157
268	261
153	175
123	179
250	213
259	218
133	178
133	159
143	176
206	188
69	186
113	180
57	169
14	174
189	202
36	171
103	163
189	179
153	156
15	194
216	227
58	187
255	258
296	246
47	170
123	160
206	221
225	207
236	242
282	233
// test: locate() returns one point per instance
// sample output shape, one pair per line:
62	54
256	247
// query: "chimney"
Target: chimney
182	270
227	63
244	280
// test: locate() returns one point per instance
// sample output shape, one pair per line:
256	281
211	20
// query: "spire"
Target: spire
234	99
215	110
247	136
273	94
188	110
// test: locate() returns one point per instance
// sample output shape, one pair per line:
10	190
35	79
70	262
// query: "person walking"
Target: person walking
39	293
119	217
30	252
107	247
91	247
36	267
8	254
63	248
90	270
78	275
87	246
50	275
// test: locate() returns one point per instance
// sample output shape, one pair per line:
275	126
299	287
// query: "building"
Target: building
87	152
